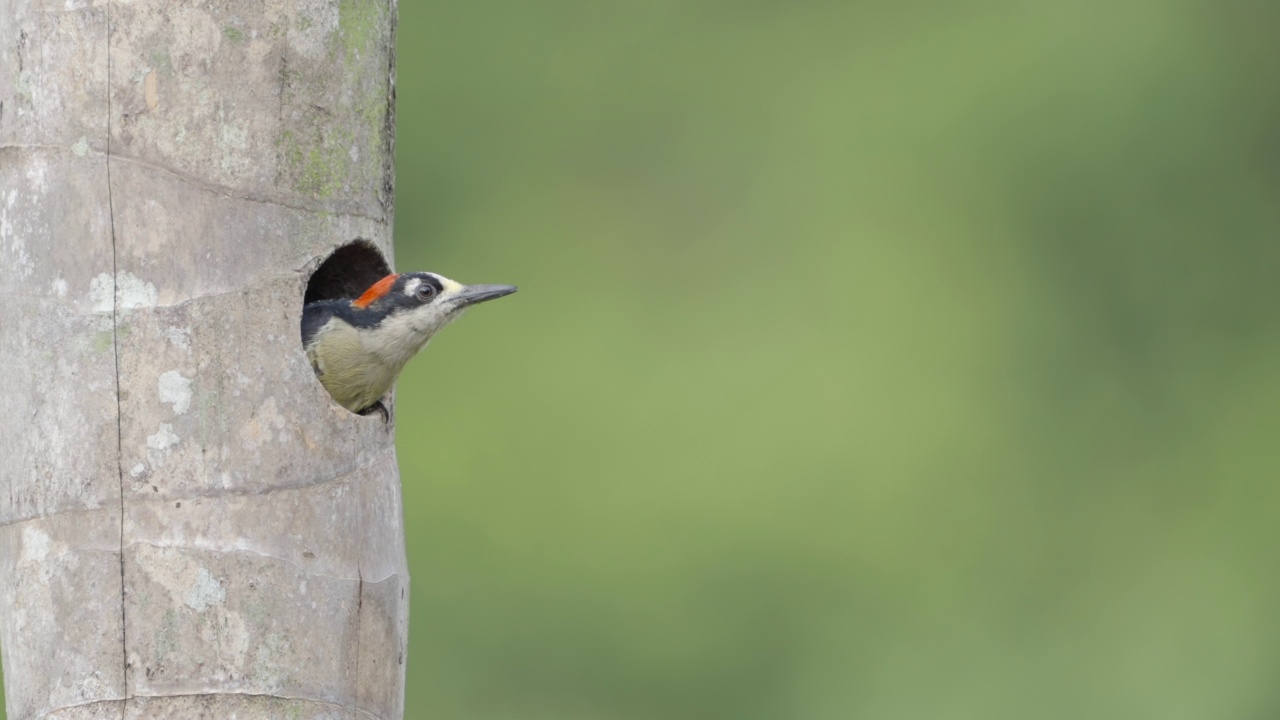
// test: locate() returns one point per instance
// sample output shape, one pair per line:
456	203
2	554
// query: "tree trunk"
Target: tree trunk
189	526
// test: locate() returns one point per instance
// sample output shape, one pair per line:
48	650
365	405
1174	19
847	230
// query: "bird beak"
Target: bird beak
473	294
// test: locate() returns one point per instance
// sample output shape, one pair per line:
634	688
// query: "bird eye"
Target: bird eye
426	292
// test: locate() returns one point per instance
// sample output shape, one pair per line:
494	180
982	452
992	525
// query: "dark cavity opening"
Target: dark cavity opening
347	273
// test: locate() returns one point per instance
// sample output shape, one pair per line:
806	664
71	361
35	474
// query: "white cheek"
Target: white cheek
430	324
427	320
411	287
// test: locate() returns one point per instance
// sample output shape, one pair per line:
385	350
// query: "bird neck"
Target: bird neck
399	337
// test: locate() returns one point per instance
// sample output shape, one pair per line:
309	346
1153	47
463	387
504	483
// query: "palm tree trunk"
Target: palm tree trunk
189	526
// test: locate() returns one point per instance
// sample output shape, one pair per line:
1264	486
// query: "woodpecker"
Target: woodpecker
358	347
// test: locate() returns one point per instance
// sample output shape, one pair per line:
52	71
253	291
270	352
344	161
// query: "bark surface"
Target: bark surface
189	526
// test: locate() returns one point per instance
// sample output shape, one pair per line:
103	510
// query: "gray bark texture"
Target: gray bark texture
189	526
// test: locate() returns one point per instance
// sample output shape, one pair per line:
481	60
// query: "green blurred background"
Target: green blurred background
871	360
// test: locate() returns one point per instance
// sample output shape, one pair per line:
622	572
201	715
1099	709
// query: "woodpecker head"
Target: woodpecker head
418	304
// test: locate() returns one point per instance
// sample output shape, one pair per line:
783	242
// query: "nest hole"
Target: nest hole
347	273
